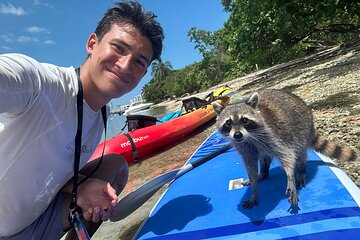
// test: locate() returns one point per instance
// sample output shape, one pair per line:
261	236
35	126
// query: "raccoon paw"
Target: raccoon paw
246	182
300	181
250	203
300	184
293	197
294	209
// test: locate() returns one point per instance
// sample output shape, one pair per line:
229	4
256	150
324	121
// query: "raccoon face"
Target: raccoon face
237	127
239	122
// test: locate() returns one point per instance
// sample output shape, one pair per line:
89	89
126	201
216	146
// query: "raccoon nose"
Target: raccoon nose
238	135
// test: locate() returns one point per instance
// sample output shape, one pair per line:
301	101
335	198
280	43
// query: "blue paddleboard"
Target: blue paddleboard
206	203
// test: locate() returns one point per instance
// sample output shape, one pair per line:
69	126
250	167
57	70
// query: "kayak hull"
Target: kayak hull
150	139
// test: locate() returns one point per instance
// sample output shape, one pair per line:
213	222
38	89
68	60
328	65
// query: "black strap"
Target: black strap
126	122
133	147
104	115
79	101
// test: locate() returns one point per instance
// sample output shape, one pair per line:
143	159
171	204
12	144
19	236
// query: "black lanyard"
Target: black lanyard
79	102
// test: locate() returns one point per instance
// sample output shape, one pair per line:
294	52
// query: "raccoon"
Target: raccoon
274	123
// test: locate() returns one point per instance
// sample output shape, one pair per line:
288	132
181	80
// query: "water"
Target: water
117	122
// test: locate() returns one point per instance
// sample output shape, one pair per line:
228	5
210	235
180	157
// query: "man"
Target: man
38	124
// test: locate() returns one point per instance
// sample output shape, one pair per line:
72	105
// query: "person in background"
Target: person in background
39	122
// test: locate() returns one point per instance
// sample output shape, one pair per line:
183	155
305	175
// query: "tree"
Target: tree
156	89
211	49
268	32
256	35
160	69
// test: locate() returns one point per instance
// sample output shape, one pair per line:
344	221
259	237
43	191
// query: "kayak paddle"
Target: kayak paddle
138	197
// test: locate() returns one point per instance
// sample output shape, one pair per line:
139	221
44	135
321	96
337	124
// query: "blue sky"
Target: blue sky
56	31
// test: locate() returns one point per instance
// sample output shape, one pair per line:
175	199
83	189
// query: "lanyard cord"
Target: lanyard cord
79	101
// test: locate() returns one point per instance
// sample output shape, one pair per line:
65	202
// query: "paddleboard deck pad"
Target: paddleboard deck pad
206	203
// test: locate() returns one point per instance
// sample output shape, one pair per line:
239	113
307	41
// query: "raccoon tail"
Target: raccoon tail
333	150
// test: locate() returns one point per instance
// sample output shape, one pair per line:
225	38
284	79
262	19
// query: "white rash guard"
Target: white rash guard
38	123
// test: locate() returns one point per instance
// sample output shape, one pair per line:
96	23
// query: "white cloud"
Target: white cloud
38	3
35	29
49	42
11	9
11	38
25	39
7	37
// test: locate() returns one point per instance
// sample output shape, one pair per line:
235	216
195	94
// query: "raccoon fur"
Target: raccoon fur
274	123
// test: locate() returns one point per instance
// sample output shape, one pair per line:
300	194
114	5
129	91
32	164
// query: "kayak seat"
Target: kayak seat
193	103
139	121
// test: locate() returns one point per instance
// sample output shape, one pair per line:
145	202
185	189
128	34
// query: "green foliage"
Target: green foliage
153	91
156	89
160	69
273	31
257	34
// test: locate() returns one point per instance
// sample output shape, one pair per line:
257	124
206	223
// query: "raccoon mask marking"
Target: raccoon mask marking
238	127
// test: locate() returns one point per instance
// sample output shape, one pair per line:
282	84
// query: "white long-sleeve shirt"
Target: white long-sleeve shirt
38	123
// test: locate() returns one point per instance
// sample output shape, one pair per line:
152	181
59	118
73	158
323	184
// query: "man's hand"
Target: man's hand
96	198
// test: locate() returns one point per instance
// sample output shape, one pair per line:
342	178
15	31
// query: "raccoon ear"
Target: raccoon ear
254	100
217	107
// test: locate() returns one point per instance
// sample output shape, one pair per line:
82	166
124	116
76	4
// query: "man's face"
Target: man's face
118	61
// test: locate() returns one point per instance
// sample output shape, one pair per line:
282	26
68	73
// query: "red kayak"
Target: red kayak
138	144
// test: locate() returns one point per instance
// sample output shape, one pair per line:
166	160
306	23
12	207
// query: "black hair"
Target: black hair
133	13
